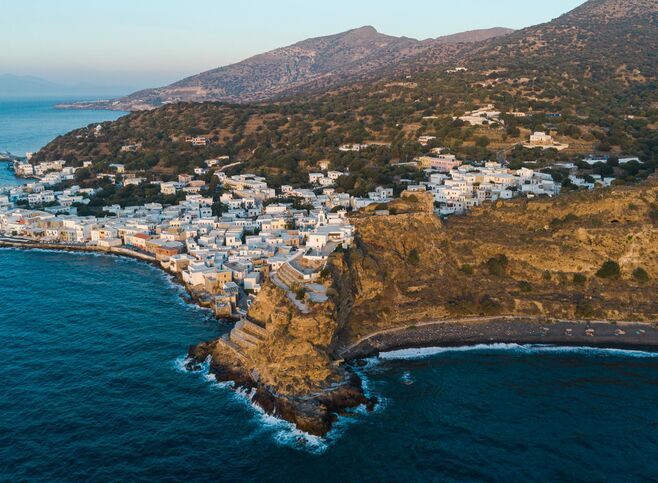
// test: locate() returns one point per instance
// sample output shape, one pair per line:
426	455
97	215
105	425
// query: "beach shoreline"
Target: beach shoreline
316	413
639	335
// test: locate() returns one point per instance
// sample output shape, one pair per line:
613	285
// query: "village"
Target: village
224	259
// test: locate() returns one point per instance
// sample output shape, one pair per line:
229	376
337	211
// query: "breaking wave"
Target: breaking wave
421	353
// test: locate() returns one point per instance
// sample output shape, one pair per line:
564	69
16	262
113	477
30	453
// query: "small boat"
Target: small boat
589	332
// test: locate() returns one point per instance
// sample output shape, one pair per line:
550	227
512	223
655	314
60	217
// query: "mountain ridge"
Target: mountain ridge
325	61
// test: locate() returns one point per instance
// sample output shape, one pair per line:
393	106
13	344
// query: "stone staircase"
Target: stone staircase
247	335
289	276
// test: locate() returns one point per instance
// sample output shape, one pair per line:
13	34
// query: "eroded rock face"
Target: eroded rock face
516	258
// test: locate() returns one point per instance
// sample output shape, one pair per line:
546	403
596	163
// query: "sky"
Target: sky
148	43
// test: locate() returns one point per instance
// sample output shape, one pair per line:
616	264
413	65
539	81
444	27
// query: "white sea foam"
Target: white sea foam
283	432
406	378
421	353
180	364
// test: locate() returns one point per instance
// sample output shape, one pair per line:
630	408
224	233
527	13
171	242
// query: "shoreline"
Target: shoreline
191	298
507	330
317	413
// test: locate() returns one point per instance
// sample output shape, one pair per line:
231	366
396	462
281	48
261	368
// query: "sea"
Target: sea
93	388
28	124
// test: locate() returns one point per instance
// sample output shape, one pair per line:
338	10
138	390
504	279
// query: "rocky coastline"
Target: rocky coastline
478	279
314	413
508	330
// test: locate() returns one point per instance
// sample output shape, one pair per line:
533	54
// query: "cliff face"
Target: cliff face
515	258
537	259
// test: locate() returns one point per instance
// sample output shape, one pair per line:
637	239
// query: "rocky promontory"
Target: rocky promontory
579	269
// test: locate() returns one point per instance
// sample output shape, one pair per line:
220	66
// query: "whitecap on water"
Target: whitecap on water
420	353
406	378
282	432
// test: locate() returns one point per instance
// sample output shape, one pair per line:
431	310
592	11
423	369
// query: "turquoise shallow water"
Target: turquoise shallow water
92	389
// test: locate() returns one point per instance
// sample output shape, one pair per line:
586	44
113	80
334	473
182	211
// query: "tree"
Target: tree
640	275
579	278
83	174
497	265
482	141
609	269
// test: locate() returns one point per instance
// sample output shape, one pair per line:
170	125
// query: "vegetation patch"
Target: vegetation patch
609	270
640	275
497	266
579	279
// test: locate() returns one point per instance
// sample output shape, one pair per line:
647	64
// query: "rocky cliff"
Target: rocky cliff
580	257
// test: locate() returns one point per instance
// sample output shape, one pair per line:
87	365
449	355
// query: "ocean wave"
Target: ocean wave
180	365
58	251
287	434
421	353
282	432
406	378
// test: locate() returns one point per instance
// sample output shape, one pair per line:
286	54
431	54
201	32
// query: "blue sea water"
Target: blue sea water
26	125
29	124
92	387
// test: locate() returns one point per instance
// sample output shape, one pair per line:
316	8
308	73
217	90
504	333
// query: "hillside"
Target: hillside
583	93
318	62
522	266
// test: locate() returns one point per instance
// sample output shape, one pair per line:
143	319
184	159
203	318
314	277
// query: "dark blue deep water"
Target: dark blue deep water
91	389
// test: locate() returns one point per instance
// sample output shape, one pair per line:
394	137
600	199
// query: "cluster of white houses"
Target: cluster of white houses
223	259
458	187
39	192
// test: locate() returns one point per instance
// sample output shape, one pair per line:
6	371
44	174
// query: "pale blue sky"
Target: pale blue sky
153	42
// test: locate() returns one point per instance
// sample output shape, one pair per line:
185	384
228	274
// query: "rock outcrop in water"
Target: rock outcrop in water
513	268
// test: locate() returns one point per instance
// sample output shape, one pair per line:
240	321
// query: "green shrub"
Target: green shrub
546	275
640	275
579	278
525	286
584	309
497	265
609	269
467	269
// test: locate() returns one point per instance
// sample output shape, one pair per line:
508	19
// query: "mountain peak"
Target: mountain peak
613	10
315	62
365	29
